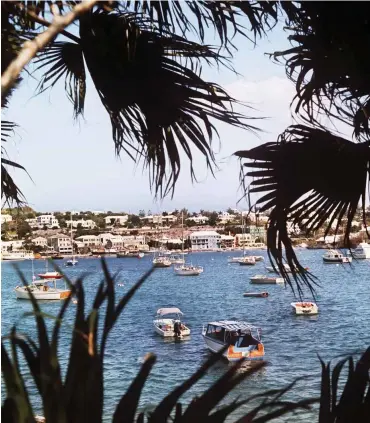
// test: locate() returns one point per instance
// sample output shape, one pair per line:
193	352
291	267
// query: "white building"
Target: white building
48	220
86	224
199	220
205	240
89	240
227	241
116	240
226	217
158	219
33	223
40	241
116	220
61	243
6	218
12	245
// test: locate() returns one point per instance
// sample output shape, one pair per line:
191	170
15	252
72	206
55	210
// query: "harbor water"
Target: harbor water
292	343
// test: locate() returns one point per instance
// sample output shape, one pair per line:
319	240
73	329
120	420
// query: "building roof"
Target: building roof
205	233
59	236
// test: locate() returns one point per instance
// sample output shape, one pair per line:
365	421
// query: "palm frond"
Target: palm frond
328	65
157	105
300	174
64	59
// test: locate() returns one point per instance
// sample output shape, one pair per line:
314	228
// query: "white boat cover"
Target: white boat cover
170	310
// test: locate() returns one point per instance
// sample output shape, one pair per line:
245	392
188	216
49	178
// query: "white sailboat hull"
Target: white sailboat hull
60	294
183	271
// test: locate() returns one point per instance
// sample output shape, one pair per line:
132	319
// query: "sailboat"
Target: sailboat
161	260
186	269
49	275
73	261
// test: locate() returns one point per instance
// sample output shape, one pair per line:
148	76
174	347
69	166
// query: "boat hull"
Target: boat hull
304	309
256	294
50	275
23	294
180	272
164	328
234	353
267	281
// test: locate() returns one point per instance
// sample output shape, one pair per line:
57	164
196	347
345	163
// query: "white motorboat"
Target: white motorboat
362	251
334	256
17	255
304	308
45	289
286	267
247	261
243	339
265	280
188	270
161	261
234	260
171	326
176	259
72	262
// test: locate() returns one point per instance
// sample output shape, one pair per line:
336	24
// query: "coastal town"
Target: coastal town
27	232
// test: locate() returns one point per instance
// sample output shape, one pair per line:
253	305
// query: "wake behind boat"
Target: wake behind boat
243	339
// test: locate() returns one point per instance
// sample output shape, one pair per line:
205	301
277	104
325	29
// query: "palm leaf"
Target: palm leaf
300	176
64	59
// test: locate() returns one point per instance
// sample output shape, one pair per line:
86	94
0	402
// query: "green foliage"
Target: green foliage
134	221
213	219
79	396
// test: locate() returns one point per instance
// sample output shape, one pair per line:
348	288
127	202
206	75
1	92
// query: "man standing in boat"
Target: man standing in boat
177	329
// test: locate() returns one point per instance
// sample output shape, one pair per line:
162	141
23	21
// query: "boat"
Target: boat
186	269
262	279
256	294
234	260
305	308
49	275
45	289
17	255
242	339
72	262
362	251
161	261
258	258
334	256
176	259
129	254
171	326
286	267
56	257
247	261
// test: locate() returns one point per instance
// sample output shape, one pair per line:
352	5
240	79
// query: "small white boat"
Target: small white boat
243	339
286	267
334	256
72	262
265	280
42	290
362	251
304	308
171	326
188	270
247	261
235	260
176	259
161	261
50	275
17	255
258	258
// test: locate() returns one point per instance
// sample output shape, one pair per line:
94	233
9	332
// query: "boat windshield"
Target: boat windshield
241	339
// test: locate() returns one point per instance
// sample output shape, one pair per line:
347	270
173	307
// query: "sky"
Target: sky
73	165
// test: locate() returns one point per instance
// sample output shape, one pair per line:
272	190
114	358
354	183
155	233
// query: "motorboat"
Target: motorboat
258	258
234	260
188	270
247	261
72	262
305	308
256	294
45	289
265	280
242	339
56	257
161	261
17	255
170	326
286	267
176	259
334	256
362	251
130	254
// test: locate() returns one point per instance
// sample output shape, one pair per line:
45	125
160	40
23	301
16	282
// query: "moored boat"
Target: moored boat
17	255
129	254
362	251
334	256
247	261
256	294
286	267
161	261
304	308
176	259
242	339
265	280
171	326
188	270
50	275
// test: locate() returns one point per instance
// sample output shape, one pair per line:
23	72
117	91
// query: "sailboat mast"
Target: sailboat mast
243	235
182	235
72	239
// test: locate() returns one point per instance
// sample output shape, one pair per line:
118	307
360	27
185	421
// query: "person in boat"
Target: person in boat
177	329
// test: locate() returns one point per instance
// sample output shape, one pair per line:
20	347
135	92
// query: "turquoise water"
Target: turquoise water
291	342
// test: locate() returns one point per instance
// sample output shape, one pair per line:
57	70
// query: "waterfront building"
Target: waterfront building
61	243
40	241
205	240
